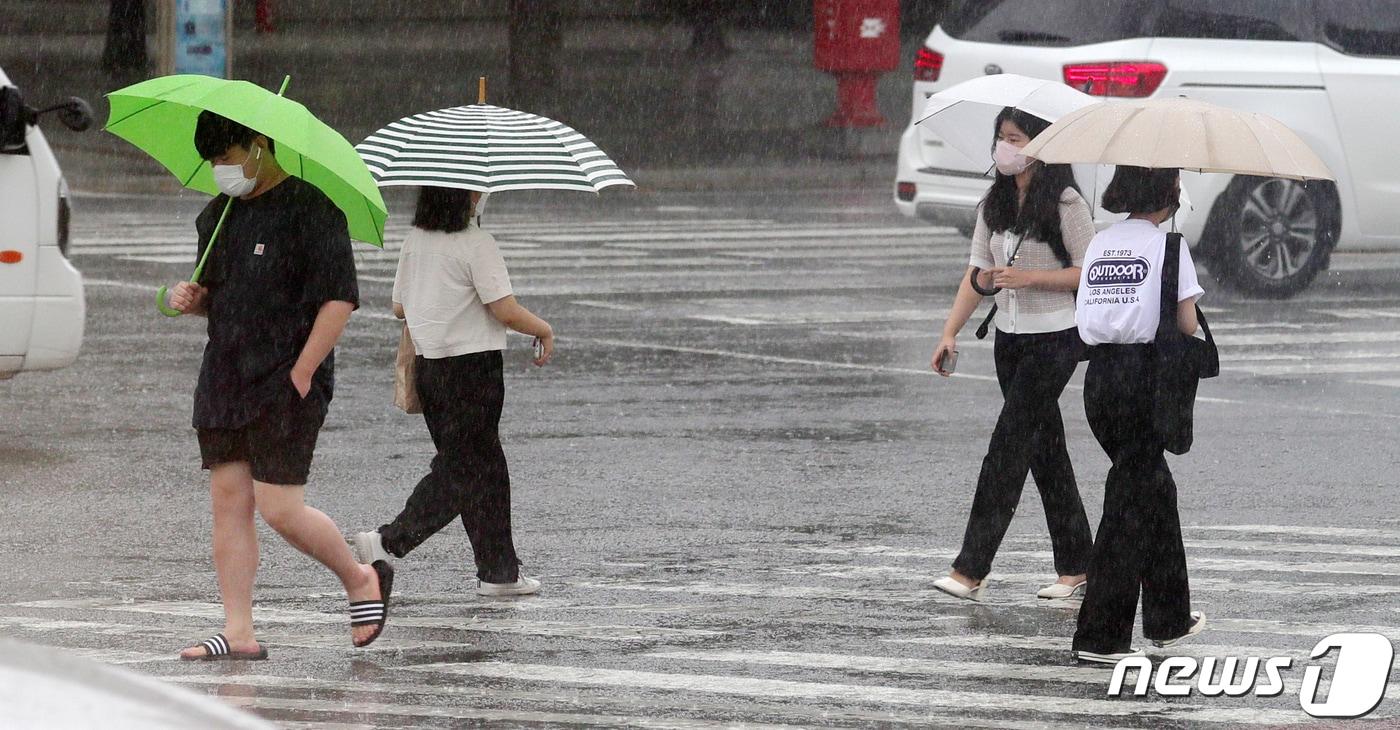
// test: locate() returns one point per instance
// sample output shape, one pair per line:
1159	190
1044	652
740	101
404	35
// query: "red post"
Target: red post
262	16
856	40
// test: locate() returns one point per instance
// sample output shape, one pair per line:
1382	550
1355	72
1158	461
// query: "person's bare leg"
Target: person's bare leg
235	553
309	530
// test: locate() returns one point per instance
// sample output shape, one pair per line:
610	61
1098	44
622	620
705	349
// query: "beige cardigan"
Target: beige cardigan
1029	311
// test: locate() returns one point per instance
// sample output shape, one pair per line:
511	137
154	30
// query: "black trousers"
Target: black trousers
462	398
1029	437
1139	540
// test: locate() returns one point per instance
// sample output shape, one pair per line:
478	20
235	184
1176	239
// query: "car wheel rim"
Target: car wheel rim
1278	229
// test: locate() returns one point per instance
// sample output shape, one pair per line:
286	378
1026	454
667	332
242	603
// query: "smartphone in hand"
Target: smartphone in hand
949	363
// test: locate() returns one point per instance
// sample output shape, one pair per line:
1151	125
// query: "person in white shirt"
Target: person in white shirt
1139	545
453	288
1031	233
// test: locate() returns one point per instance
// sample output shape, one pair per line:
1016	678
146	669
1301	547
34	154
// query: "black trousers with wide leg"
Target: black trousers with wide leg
1138	548
1032	370
462	398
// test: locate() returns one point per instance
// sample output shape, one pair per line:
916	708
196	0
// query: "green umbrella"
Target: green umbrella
159	117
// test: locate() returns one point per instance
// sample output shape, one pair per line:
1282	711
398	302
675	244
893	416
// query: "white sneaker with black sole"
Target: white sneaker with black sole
1198	624
521	587
1091	657
369	548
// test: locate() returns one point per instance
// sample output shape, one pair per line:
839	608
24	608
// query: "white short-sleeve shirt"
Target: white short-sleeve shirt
1120	287
444	282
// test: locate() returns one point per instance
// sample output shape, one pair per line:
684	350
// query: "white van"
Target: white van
41	295
1329	69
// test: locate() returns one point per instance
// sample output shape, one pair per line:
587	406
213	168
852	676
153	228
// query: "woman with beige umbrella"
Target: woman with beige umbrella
1136	310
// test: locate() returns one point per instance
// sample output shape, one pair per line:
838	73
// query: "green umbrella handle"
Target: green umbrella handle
161	304
161	295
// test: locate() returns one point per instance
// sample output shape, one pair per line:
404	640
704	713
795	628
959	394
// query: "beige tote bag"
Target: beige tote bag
406	376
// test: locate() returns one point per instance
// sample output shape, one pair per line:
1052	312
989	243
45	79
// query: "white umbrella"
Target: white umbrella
1178	132
963	114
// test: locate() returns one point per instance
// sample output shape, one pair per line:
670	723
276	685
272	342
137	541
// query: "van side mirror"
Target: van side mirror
75	114
12	120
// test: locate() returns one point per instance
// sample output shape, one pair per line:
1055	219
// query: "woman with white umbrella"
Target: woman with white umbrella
1032	229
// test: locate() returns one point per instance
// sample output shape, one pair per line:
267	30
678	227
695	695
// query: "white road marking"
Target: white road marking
608	704
266	614
721	235
849	693
1392	534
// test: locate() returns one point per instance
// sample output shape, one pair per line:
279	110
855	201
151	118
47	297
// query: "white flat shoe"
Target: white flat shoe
1090	657
521	587
369	549
1061	590
1198	623
955	588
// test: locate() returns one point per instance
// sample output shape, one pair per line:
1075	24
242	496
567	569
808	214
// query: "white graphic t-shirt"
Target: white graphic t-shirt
1120	288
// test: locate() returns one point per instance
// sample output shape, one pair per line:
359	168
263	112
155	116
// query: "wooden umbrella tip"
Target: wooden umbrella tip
481	90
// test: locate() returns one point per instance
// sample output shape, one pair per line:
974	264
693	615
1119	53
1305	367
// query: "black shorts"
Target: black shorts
278	445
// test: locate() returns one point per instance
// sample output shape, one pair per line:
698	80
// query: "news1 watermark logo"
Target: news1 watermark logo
1358	681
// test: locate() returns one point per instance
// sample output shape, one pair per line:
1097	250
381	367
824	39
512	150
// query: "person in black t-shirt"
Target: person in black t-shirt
279	288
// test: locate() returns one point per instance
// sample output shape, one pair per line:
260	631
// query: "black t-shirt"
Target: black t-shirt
279	257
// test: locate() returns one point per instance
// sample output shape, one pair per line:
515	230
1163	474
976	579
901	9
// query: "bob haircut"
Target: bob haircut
214	134
1141	189
442	209
1039	216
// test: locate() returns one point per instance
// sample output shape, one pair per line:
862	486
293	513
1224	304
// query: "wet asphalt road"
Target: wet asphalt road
737	481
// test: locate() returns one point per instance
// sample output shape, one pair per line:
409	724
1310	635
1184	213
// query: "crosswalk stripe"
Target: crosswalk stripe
610	704
213	611
1390	535
852	693
941	668
1028	583
715	235
1259	546
1314	367
361	708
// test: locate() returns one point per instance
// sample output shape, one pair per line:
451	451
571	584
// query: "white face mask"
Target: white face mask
1008	158
480	204
230	178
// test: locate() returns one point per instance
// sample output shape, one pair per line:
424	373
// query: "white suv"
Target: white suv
1329	69
41	295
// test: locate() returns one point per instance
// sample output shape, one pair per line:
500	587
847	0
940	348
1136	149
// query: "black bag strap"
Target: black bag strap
987	323
1171	274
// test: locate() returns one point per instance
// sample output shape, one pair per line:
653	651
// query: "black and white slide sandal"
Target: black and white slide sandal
374	613
216	648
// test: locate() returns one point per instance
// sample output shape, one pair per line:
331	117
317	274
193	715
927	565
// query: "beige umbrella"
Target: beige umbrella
1176	132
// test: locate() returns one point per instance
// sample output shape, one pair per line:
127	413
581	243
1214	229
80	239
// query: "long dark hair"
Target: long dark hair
442	209
1039	218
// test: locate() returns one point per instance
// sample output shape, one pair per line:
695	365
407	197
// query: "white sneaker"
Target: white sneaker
521	587
1089	657
369	549
955	588
1061	590
1198	622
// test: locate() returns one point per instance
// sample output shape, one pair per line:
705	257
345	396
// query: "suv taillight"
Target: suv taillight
1134	79
928	63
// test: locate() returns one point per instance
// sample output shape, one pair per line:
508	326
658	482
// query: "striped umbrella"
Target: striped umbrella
487	148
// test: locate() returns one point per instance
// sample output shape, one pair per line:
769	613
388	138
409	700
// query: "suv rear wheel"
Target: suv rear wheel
1271	236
